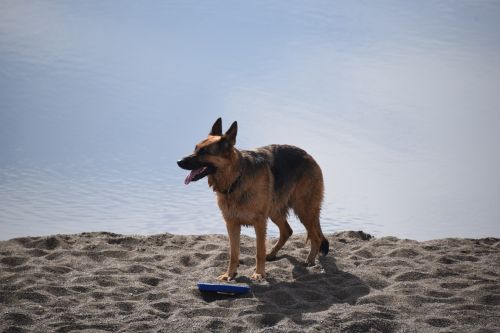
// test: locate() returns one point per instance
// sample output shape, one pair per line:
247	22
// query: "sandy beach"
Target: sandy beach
103	282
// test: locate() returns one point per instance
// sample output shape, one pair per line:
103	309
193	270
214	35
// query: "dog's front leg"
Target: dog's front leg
233	231
260	234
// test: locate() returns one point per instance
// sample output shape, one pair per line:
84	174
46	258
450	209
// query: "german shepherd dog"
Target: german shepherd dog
252	185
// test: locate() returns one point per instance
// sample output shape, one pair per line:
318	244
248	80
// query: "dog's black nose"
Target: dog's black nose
182	163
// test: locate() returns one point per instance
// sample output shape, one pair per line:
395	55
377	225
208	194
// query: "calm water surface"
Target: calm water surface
397	101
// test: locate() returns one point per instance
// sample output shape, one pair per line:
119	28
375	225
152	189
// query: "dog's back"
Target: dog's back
293	170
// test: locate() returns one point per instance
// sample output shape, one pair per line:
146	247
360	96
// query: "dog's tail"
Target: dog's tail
324	247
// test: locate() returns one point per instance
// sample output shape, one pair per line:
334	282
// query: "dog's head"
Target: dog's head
215	152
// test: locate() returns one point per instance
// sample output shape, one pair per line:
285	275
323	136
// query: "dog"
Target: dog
254	185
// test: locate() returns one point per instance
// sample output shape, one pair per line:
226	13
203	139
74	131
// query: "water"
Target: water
397	101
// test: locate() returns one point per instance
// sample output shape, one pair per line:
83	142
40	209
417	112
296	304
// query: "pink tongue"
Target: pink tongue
192	174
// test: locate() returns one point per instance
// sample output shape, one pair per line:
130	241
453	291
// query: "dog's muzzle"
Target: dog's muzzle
197	168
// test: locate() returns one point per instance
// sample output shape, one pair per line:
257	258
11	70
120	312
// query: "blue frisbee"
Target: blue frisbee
223	288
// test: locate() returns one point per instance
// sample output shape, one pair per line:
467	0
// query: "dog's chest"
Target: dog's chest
238	208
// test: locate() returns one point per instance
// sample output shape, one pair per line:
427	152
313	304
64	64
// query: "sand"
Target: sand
103	282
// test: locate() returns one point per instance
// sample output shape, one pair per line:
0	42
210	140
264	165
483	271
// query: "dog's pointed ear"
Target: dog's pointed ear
217	127
231	133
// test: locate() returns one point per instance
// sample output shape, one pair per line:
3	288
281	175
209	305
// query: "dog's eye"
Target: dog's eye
202	151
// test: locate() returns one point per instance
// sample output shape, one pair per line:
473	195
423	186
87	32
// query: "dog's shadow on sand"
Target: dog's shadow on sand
312	290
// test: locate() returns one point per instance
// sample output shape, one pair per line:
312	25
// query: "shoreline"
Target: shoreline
105	282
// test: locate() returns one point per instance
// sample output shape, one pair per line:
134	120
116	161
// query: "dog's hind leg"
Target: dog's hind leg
285	233
306	203
311	221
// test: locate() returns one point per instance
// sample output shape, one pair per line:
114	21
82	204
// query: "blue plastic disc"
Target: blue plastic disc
223	288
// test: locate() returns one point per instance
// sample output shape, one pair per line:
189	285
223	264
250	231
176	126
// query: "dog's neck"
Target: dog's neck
224	180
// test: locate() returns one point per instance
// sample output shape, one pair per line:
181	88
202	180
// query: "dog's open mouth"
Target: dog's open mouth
197	174
198	169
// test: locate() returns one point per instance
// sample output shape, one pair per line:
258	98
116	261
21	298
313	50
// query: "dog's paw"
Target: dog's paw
309	263
257	276
270	257
226	277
